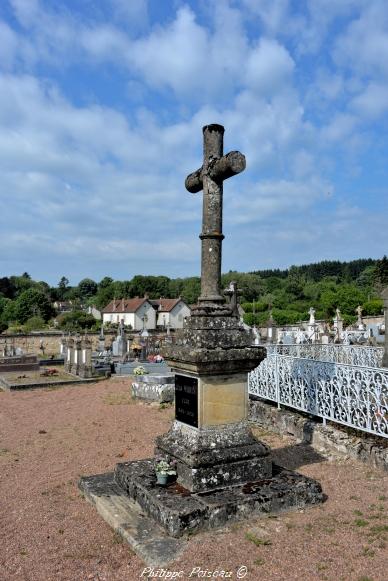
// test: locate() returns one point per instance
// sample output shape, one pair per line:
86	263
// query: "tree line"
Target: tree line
26	304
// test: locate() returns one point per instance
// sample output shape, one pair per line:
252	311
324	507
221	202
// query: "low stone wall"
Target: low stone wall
31	342
326	439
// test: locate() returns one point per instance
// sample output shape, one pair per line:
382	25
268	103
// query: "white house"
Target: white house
170	313
139	313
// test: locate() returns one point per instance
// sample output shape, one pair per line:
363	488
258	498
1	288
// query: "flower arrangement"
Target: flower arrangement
139	371
165	467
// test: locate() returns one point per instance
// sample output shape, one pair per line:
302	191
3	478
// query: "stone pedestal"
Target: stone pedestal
210	438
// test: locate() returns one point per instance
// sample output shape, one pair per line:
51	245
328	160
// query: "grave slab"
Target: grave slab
127	519
132	490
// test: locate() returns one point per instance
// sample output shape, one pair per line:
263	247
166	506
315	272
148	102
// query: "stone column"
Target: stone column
77	356
69	355
211	236
85	367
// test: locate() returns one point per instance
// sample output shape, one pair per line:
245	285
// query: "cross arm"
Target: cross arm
219	169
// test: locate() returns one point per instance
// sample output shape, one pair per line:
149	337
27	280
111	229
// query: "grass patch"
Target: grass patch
321	566
257	541
308	527
118	399
367	552
378	529
360	522
259	561
117	539
357	512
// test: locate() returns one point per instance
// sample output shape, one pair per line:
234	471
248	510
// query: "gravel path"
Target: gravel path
51	437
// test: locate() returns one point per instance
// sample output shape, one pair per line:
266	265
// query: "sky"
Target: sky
102	104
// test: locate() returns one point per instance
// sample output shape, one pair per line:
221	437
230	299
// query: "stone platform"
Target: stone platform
160	388
181	512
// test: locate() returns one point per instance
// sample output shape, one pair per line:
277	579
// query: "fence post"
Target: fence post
277	380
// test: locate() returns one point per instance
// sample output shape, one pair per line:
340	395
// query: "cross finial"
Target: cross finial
215	169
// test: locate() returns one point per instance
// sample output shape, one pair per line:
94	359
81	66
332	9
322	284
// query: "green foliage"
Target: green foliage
30	303
7	288
373	307
286	316
381	272
290	293
77	321
87	288
34	324
105	282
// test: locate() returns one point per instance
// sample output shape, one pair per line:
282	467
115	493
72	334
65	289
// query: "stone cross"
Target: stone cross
215	169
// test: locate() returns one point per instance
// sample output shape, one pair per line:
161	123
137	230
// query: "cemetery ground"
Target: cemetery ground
52	436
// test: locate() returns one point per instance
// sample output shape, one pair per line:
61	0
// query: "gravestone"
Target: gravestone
360	324
338	326
119	345
223	472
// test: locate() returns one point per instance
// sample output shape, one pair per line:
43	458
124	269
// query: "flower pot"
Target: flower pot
161	479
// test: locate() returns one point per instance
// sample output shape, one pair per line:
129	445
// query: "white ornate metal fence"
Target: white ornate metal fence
356	396
348	354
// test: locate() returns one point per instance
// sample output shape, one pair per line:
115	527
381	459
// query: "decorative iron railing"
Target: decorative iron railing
356	396
347	354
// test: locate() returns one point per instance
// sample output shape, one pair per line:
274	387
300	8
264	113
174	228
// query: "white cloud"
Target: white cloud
269	67
363	46
372	103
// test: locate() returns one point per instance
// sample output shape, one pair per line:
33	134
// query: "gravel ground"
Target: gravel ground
51	437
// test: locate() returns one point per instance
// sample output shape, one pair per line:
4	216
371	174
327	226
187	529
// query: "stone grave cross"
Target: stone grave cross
215	169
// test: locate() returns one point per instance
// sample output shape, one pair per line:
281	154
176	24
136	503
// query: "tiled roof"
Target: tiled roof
165	305
124	305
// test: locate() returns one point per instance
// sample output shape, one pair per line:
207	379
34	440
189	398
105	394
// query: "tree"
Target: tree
7	289
63	283
87	288
77	321
381	272
105	282
31	303
34	324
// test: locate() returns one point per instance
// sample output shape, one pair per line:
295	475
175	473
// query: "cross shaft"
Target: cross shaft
215	169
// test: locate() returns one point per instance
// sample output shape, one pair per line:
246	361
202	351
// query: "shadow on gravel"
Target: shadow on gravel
292	457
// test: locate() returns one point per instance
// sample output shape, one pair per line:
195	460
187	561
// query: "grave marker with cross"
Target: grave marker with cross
215	169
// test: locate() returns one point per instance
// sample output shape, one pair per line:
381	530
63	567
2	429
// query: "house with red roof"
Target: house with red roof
137	312
145	313
170	312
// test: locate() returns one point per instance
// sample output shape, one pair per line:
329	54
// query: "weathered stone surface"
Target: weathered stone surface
125	516
181	512
216	456
326	439
159	388
19	363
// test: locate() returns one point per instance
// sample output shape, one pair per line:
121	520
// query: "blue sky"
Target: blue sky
101	108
